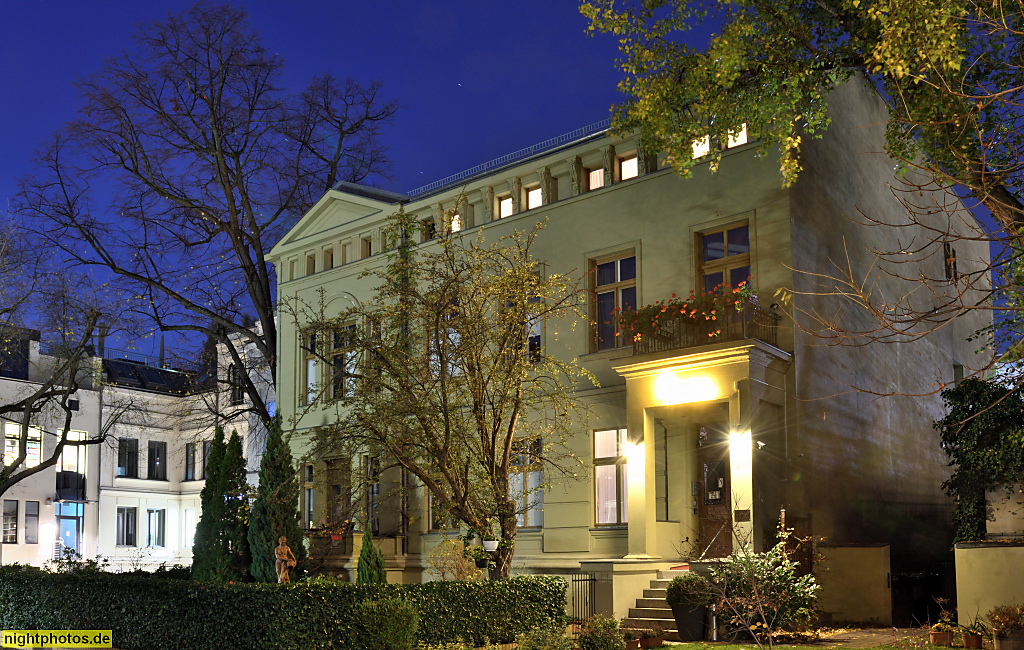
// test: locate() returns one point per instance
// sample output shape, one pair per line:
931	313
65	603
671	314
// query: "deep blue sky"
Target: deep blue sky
478	79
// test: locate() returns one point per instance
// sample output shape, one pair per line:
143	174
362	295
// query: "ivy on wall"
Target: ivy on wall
983	435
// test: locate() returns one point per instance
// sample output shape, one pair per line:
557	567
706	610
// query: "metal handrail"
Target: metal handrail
752	321
550	143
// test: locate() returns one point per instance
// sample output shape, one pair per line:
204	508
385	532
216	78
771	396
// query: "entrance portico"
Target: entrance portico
711	406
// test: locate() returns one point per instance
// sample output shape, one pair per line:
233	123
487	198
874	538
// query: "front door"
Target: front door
714	518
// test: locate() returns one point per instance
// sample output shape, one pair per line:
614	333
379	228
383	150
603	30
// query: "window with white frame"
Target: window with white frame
72	458
534	198
735	139
307	494
629	168
456	223
188	527
190	461
308	347
614	282
724	258
526	483
31	522
701	147
343	362
157	458
155	530
610	489
126	518
128	457
595	178
10	525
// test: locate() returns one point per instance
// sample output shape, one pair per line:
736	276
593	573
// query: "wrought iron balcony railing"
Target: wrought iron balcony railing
752	321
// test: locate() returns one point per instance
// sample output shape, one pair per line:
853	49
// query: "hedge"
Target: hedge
153	614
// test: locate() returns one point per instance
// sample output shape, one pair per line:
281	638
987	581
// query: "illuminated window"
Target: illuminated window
724	258
188	528
614	288
456	222
526	481
505	207
72	459
595	178
701	147
10	526
629	168
309	368
534	199
33	444
610	490
736	139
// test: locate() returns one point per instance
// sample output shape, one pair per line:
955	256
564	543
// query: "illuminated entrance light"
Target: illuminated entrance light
670	389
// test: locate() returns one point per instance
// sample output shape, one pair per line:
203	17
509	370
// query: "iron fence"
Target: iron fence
581	599
751	322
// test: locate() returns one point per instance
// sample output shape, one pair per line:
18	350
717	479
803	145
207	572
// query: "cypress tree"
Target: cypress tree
236	510
209	561
275	511
370	570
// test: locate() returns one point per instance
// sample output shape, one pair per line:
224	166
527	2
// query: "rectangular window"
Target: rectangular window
440	519
307	493
614	281
429	230
367	246
701	147
155	530
456	223
371	468
505	207
526	483
188	528
10	528
31	522
190	461
72	459
328	259
736	139
595	178
157	461
310	264
724	258
534	198
949	262
125	526
236	385
128	457
33	444
207	447
309	368
343	362
346	254
629	168
291	269
610	490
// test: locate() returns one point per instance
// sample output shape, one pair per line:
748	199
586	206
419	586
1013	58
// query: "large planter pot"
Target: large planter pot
652	642
1015	641
972	641
632	644
690	623
941	638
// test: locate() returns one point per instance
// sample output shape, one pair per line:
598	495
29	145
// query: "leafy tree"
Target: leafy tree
370	568
206	161
947	70
451	389
209	559
236	509
275	510
983	434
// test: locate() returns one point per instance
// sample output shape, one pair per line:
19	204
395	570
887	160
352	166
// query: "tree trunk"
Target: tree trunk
503	556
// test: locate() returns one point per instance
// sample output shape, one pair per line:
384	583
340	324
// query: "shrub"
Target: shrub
601	633
690	591
147	613
1006	619
760	593
370	567
448	561
544	639
388	624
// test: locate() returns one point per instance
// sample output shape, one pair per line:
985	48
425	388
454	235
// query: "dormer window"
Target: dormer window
534	198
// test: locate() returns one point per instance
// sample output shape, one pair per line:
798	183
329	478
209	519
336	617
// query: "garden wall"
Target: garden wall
988	574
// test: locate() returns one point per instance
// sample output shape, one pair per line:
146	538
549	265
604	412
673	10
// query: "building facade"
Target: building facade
696	445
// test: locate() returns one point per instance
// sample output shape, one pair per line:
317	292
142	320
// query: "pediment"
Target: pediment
334	213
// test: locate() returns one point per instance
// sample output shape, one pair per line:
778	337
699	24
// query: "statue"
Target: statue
285	560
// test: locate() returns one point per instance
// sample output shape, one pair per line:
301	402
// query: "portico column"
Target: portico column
640	448
741	456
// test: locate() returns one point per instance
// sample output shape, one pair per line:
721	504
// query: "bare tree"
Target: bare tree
188	161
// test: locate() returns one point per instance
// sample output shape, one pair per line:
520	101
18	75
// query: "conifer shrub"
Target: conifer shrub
370	568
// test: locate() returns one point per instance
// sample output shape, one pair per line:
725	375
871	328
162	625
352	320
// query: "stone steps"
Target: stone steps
652	610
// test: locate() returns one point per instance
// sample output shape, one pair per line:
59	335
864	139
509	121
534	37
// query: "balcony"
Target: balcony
675	326
70	486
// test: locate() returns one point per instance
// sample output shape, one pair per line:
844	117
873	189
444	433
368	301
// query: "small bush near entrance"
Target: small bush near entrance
147	613
601	633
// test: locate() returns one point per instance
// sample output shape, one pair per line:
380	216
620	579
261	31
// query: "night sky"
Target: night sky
477	79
